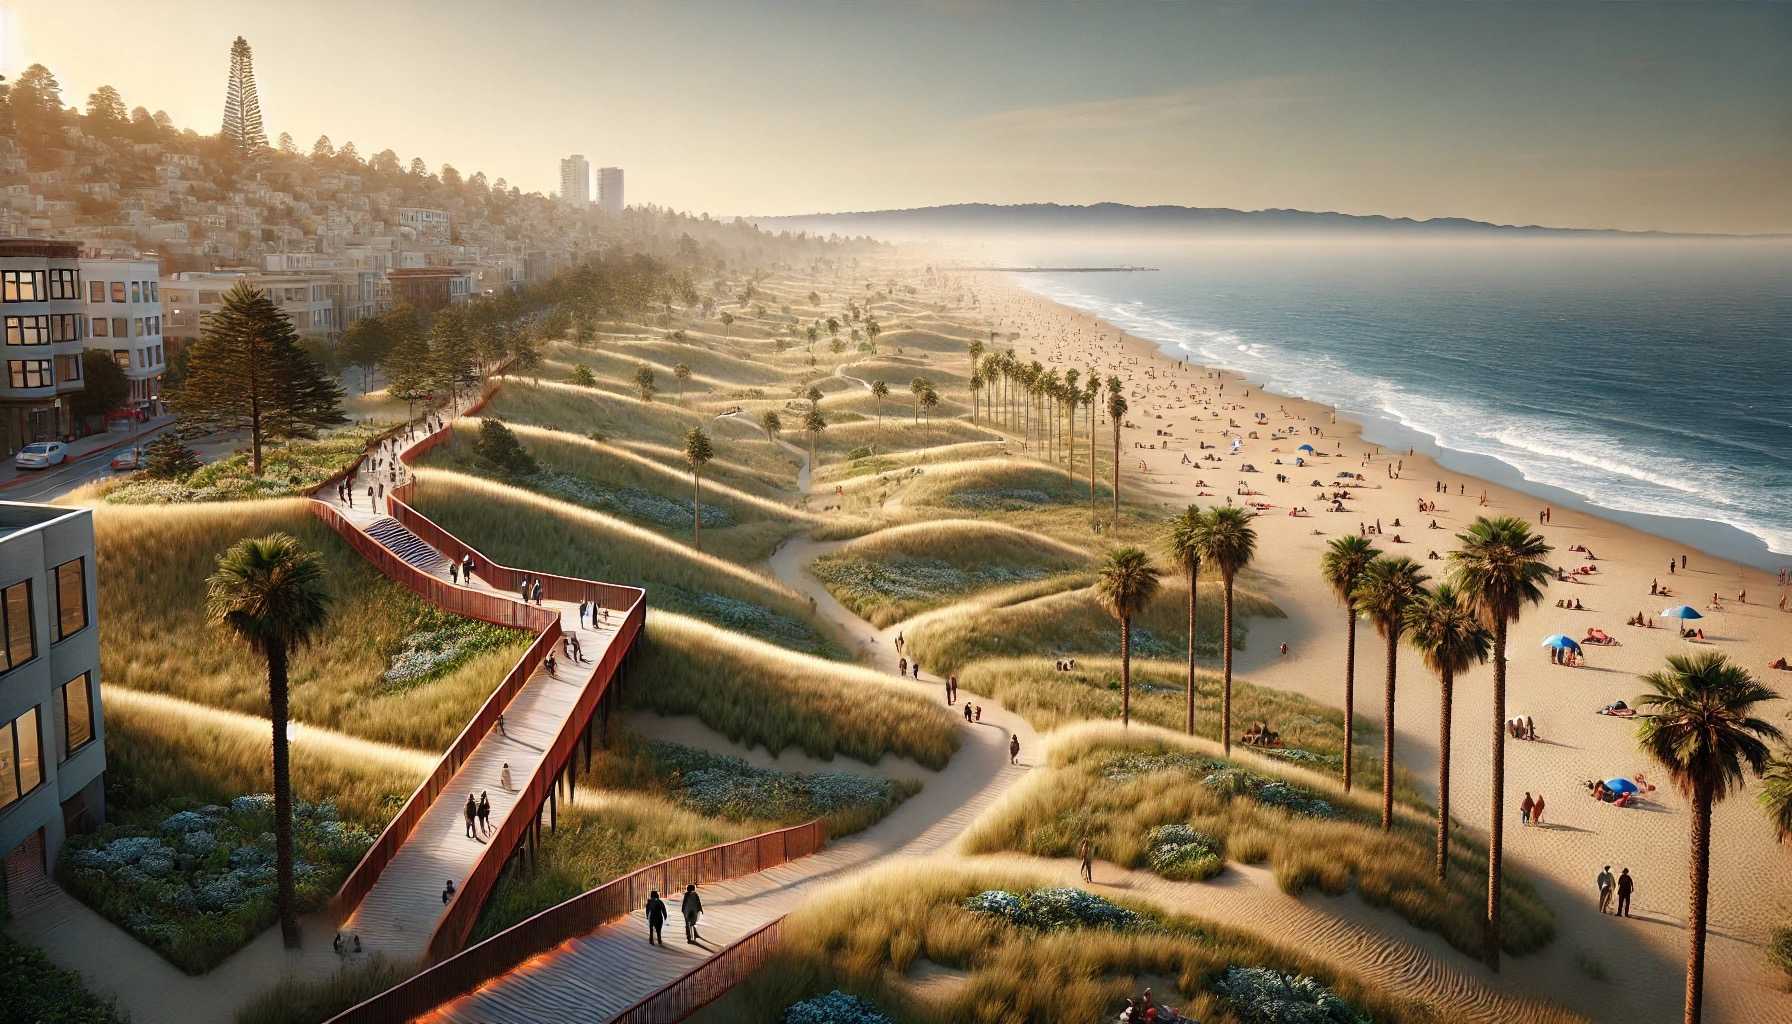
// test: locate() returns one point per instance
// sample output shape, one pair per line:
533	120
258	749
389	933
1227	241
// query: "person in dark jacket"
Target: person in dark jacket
1625	885
656	917
693	909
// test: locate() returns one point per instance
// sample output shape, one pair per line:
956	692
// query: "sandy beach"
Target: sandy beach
1177	408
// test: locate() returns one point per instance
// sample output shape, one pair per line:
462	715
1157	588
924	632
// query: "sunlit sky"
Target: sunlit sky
1675	117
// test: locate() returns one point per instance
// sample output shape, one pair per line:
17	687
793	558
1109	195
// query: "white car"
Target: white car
41	455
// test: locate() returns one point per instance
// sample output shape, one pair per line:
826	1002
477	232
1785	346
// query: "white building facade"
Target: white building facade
43	324
308	299
575	180
124	318
609	190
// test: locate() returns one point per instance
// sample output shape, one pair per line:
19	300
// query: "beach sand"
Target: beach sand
1643	957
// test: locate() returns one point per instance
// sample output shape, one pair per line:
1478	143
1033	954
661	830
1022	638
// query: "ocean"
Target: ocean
1647	379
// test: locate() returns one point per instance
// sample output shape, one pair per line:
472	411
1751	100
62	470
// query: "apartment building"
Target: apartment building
124	318
575	180
52	735
309	299
609	190
43	323
430	224
431	288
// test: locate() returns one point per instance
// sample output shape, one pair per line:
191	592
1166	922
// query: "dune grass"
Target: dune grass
737	525
1312	733
157	762
895	434
37	991
298	1001
520	528
154	561
760	695
295	467
617	359
1115	786
892	574
866	938
1074	623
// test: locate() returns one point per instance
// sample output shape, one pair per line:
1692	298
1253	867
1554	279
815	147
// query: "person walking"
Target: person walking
447	897
453	573
1014	748
538	592
1085	853
1626	885
501	731
967	713
472	816
466	568
485	813
1537	811
951	689
504	777
1606	884
1524	809
902	666
693	909
656	918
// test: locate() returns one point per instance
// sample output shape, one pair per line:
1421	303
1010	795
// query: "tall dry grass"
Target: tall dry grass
758	694
865	938
153	562
1082	794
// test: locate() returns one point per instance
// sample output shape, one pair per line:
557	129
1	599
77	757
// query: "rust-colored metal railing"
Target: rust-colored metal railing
585	912
706	982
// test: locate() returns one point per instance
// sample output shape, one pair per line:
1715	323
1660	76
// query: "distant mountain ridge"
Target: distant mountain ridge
1035	218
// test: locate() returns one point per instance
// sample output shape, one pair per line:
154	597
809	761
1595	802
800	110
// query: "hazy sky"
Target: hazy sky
1617	114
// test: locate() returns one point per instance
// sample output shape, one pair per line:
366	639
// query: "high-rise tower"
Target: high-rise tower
575	180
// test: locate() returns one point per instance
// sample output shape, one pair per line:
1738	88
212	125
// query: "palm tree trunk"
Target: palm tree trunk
285	901
1116	472
1125	671
1496	822
1387	737
1226	667
1192	572
1349	693
696	511
1443	775
1695	918
1091	460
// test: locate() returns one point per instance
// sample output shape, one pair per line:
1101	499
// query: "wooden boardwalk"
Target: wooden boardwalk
400	913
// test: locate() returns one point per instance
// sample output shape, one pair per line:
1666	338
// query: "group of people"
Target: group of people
1143	1008
1621	886
462	571
479	817
691	906
1259	734
1530	811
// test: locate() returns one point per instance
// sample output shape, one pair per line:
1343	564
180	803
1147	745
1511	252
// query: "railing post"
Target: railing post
554	806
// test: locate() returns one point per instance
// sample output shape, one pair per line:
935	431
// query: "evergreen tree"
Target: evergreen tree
169	458
247	372
104	386
242	107
366	344
322	149
106	112
287	146
499	449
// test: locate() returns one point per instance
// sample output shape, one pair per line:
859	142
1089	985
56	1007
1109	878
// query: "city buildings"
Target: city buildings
431	225
609	190
309	299
575	180
42	322
430	288
124	318
52	735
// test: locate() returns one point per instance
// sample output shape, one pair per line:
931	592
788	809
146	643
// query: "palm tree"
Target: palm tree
1116	415
1390	585
918	387
683	373
697	452
1446	632
1184	541
814	424
1499	568
269	592
1342	565
1776	794
1091	391
1127	583
1704	733
771	423
1227	543
880	391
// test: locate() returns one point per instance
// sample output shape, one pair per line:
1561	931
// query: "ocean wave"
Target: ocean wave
1542	448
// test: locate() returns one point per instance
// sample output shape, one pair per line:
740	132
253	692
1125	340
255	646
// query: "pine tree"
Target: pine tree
247	372
242	107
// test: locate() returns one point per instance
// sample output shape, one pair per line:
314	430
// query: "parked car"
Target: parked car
129	459
41	455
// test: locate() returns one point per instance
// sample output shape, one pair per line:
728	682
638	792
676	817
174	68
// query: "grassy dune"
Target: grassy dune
895	435
892	574
1074	623
154	560
867	939
758	694
619	359
1114	787
520	528
1312	733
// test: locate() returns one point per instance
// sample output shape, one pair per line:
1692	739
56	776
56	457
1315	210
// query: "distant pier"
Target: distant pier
1053	270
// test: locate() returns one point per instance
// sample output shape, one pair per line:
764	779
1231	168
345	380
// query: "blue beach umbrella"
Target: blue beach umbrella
1306	448
1561	642
1621	786
1685	611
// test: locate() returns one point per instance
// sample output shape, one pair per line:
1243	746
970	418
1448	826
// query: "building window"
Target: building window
155	291
136	291
77	714
121	327
28	330
122	356
118	291
65	284
102	327
15	611
96	291
30	373
21	759
22	286
70	367
65	327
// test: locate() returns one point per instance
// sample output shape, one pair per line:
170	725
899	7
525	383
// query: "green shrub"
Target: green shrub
499	449
1779	949
37	991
